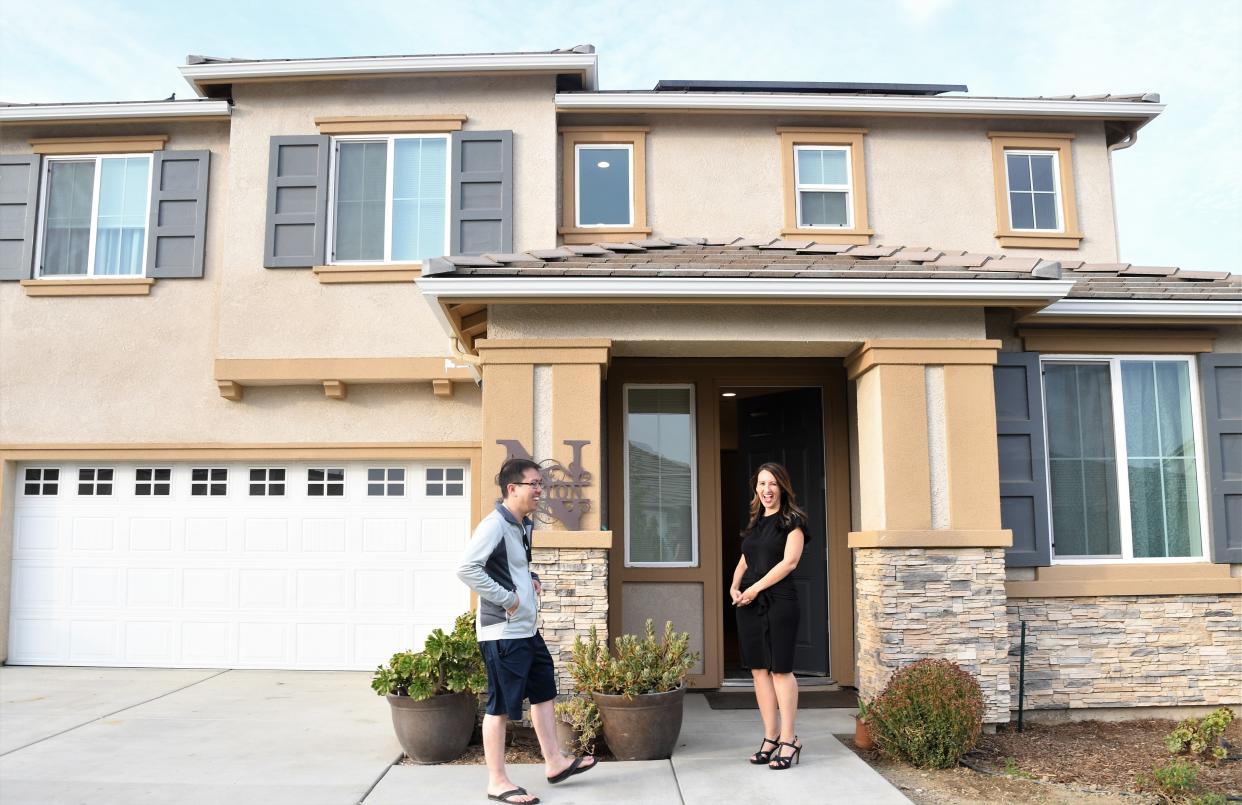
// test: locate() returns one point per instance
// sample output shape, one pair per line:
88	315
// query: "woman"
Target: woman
767	610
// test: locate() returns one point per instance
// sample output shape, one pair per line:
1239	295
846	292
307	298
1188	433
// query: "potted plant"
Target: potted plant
433	693
639	691
862	730
577	725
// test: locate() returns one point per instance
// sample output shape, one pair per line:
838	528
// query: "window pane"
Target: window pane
603	186
823	209
122	219
360	187
66	238
1041	173
419	198
821	166
1021	211
1018	167
1045	211
659	494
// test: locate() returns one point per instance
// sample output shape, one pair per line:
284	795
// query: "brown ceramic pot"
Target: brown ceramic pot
434	730
642	727
862	735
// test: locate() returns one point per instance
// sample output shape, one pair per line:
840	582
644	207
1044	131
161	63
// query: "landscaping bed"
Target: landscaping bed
1090	761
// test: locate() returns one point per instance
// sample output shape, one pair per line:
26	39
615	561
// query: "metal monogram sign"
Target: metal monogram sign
564	488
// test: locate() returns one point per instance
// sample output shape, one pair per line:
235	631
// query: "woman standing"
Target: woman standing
767	610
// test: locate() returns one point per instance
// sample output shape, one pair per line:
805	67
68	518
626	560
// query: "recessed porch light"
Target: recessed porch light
728	394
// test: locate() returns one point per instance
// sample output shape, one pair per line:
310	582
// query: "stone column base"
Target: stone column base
575	598
915	603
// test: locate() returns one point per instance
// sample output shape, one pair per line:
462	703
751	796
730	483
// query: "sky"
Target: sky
1178	190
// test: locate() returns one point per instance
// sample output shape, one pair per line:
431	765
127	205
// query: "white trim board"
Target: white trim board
1154	308
99	111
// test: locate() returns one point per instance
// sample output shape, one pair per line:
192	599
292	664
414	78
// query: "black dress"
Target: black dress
767	627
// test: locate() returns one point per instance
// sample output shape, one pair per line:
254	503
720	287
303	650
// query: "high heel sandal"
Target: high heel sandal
762	756
781	762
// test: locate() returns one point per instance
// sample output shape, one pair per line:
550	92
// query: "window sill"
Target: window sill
851	237
1067	581
359	273
1052	240
132	286
603	234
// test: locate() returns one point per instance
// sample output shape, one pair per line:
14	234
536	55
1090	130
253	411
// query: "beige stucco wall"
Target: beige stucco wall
652	330
929	180
287	313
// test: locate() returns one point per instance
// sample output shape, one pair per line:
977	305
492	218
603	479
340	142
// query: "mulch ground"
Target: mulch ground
1092	762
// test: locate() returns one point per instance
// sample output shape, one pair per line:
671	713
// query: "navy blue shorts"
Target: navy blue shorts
516	670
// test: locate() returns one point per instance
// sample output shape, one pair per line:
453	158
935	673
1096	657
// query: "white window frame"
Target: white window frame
444	482
1056	186
847	188
1120	457
391	140
578	149
694	471
326	482
153	469
266	482
94	482
43	481
209	482
386	482
41	233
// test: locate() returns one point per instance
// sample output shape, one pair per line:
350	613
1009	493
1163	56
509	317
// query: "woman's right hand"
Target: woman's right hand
735	594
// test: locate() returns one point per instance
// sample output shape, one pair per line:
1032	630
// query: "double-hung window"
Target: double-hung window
94	216
1125	458
824	183
1035	197
390	198
1034	192
823	186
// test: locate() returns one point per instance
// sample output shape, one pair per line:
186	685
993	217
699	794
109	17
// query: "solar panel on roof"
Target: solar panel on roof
813	87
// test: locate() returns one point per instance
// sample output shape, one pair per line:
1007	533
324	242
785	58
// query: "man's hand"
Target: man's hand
516	604
538	587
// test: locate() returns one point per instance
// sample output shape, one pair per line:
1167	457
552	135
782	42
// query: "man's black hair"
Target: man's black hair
513	471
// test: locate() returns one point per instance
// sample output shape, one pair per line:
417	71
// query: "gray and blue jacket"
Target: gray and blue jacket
496	565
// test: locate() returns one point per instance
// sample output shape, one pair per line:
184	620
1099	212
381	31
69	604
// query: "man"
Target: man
496	566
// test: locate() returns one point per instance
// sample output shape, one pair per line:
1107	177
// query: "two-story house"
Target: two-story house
263	351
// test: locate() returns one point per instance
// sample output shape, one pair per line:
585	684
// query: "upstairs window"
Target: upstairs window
1035	201
94	216
825	187
389	198
823	181
605	192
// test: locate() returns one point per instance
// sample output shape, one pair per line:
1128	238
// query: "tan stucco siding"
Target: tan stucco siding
285	312
732	330
929	181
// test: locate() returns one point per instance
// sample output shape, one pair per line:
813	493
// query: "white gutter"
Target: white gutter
1147	308
225	72
795	102
668	288
108	111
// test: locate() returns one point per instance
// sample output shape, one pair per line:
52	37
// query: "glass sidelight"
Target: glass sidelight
661	504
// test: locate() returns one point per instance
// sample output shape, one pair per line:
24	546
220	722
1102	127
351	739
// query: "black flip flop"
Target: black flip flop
508	796
574	768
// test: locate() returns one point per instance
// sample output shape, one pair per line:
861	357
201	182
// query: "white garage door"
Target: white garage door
333	565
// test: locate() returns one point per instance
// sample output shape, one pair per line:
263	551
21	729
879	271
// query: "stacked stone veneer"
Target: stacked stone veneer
949	603
575	598
1128	651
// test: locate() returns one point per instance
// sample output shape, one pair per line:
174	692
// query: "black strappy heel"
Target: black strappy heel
781	762
762	756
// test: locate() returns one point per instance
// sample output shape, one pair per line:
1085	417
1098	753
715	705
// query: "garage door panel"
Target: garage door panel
271	581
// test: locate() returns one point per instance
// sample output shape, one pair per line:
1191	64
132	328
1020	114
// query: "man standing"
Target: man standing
496	565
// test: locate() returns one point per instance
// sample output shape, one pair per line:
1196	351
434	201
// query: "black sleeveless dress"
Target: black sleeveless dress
768	626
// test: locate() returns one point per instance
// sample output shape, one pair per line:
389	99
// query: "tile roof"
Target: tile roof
748	257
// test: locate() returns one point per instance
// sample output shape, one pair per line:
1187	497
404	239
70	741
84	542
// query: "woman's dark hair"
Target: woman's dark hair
792	516
513	471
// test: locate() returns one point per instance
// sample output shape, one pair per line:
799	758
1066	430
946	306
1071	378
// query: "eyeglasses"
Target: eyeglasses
536	484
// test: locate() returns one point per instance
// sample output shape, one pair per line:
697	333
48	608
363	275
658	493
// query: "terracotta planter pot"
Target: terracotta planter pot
643	727
434	730
566	737
862	735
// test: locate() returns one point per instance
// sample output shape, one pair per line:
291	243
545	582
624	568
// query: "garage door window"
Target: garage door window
209	482
446	482
267	481
95	481
41	481
326	482
386	482
153	481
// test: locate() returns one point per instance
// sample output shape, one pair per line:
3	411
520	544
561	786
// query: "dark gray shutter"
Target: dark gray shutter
297	201
177	230
481	194
1023	464
19	189
1221	376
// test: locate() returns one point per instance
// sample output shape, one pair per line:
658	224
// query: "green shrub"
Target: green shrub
1174	781
448	663
581	713
929	714
641	665
1200	737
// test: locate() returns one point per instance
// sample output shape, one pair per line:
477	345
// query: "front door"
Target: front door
785	427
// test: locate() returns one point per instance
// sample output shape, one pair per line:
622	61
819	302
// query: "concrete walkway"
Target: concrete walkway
137	736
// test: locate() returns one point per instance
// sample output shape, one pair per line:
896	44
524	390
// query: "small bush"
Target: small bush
641	665
581	713
1200	737
1174	781
448	663
929	714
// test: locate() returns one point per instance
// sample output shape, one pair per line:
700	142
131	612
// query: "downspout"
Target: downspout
1125	142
